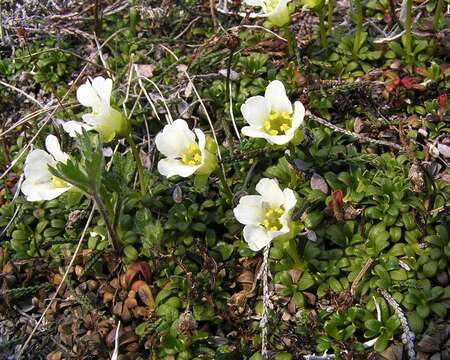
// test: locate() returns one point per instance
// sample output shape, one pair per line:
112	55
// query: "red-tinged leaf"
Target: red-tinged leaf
337	204
407	82
390	88
338	198
139	267
443	101
421	71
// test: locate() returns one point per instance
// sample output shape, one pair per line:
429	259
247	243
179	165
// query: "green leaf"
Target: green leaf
305	282
163	294
416	322
421	45
281	171
256	356
373	325
283	356
314	4
384	276
203	312
423	311
430	268
124	166
201	182
392	323
225	250
298	299
399	275
381	241
439	309
335	285
374	55
381	344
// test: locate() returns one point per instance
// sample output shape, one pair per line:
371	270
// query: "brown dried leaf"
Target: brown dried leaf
145	70
319	183
144	292
295	275
111	337
55	355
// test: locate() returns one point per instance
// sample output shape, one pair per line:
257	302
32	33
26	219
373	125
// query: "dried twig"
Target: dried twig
360	275
360	137
266	303
408	336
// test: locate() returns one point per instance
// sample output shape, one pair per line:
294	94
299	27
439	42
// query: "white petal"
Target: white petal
41	191
284	220
175	139
289	199
254	2
201	141
249	210
75	127
256	111
172	167
103	88
201	144
276	95
280	139
256	237
87	96
298	117
282	4
36	165
53	147
273	139
270	191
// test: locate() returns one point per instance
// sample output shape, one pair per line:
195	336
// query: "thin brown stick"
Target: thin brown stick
212	7
360	275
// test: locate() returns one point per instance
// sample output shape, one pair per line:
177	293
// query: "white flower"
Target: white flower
104	119
185	151
275	10
271	116
39	183
265	216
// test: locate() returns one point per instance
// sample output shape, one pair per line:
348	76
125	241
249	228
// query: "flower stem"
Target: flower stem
224	183
133	17
109	227
293	253
437	14
330	16
290	40
138	160
408	39
358	34
323	34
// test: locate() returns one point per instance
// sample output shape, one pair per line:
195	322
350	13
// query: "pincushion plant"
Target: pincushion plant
331	219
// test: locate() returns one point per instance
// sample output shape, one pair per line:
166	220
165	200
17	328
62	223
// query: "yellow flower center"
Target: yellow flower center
192	156
271	219
57	182
278	123
271	4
